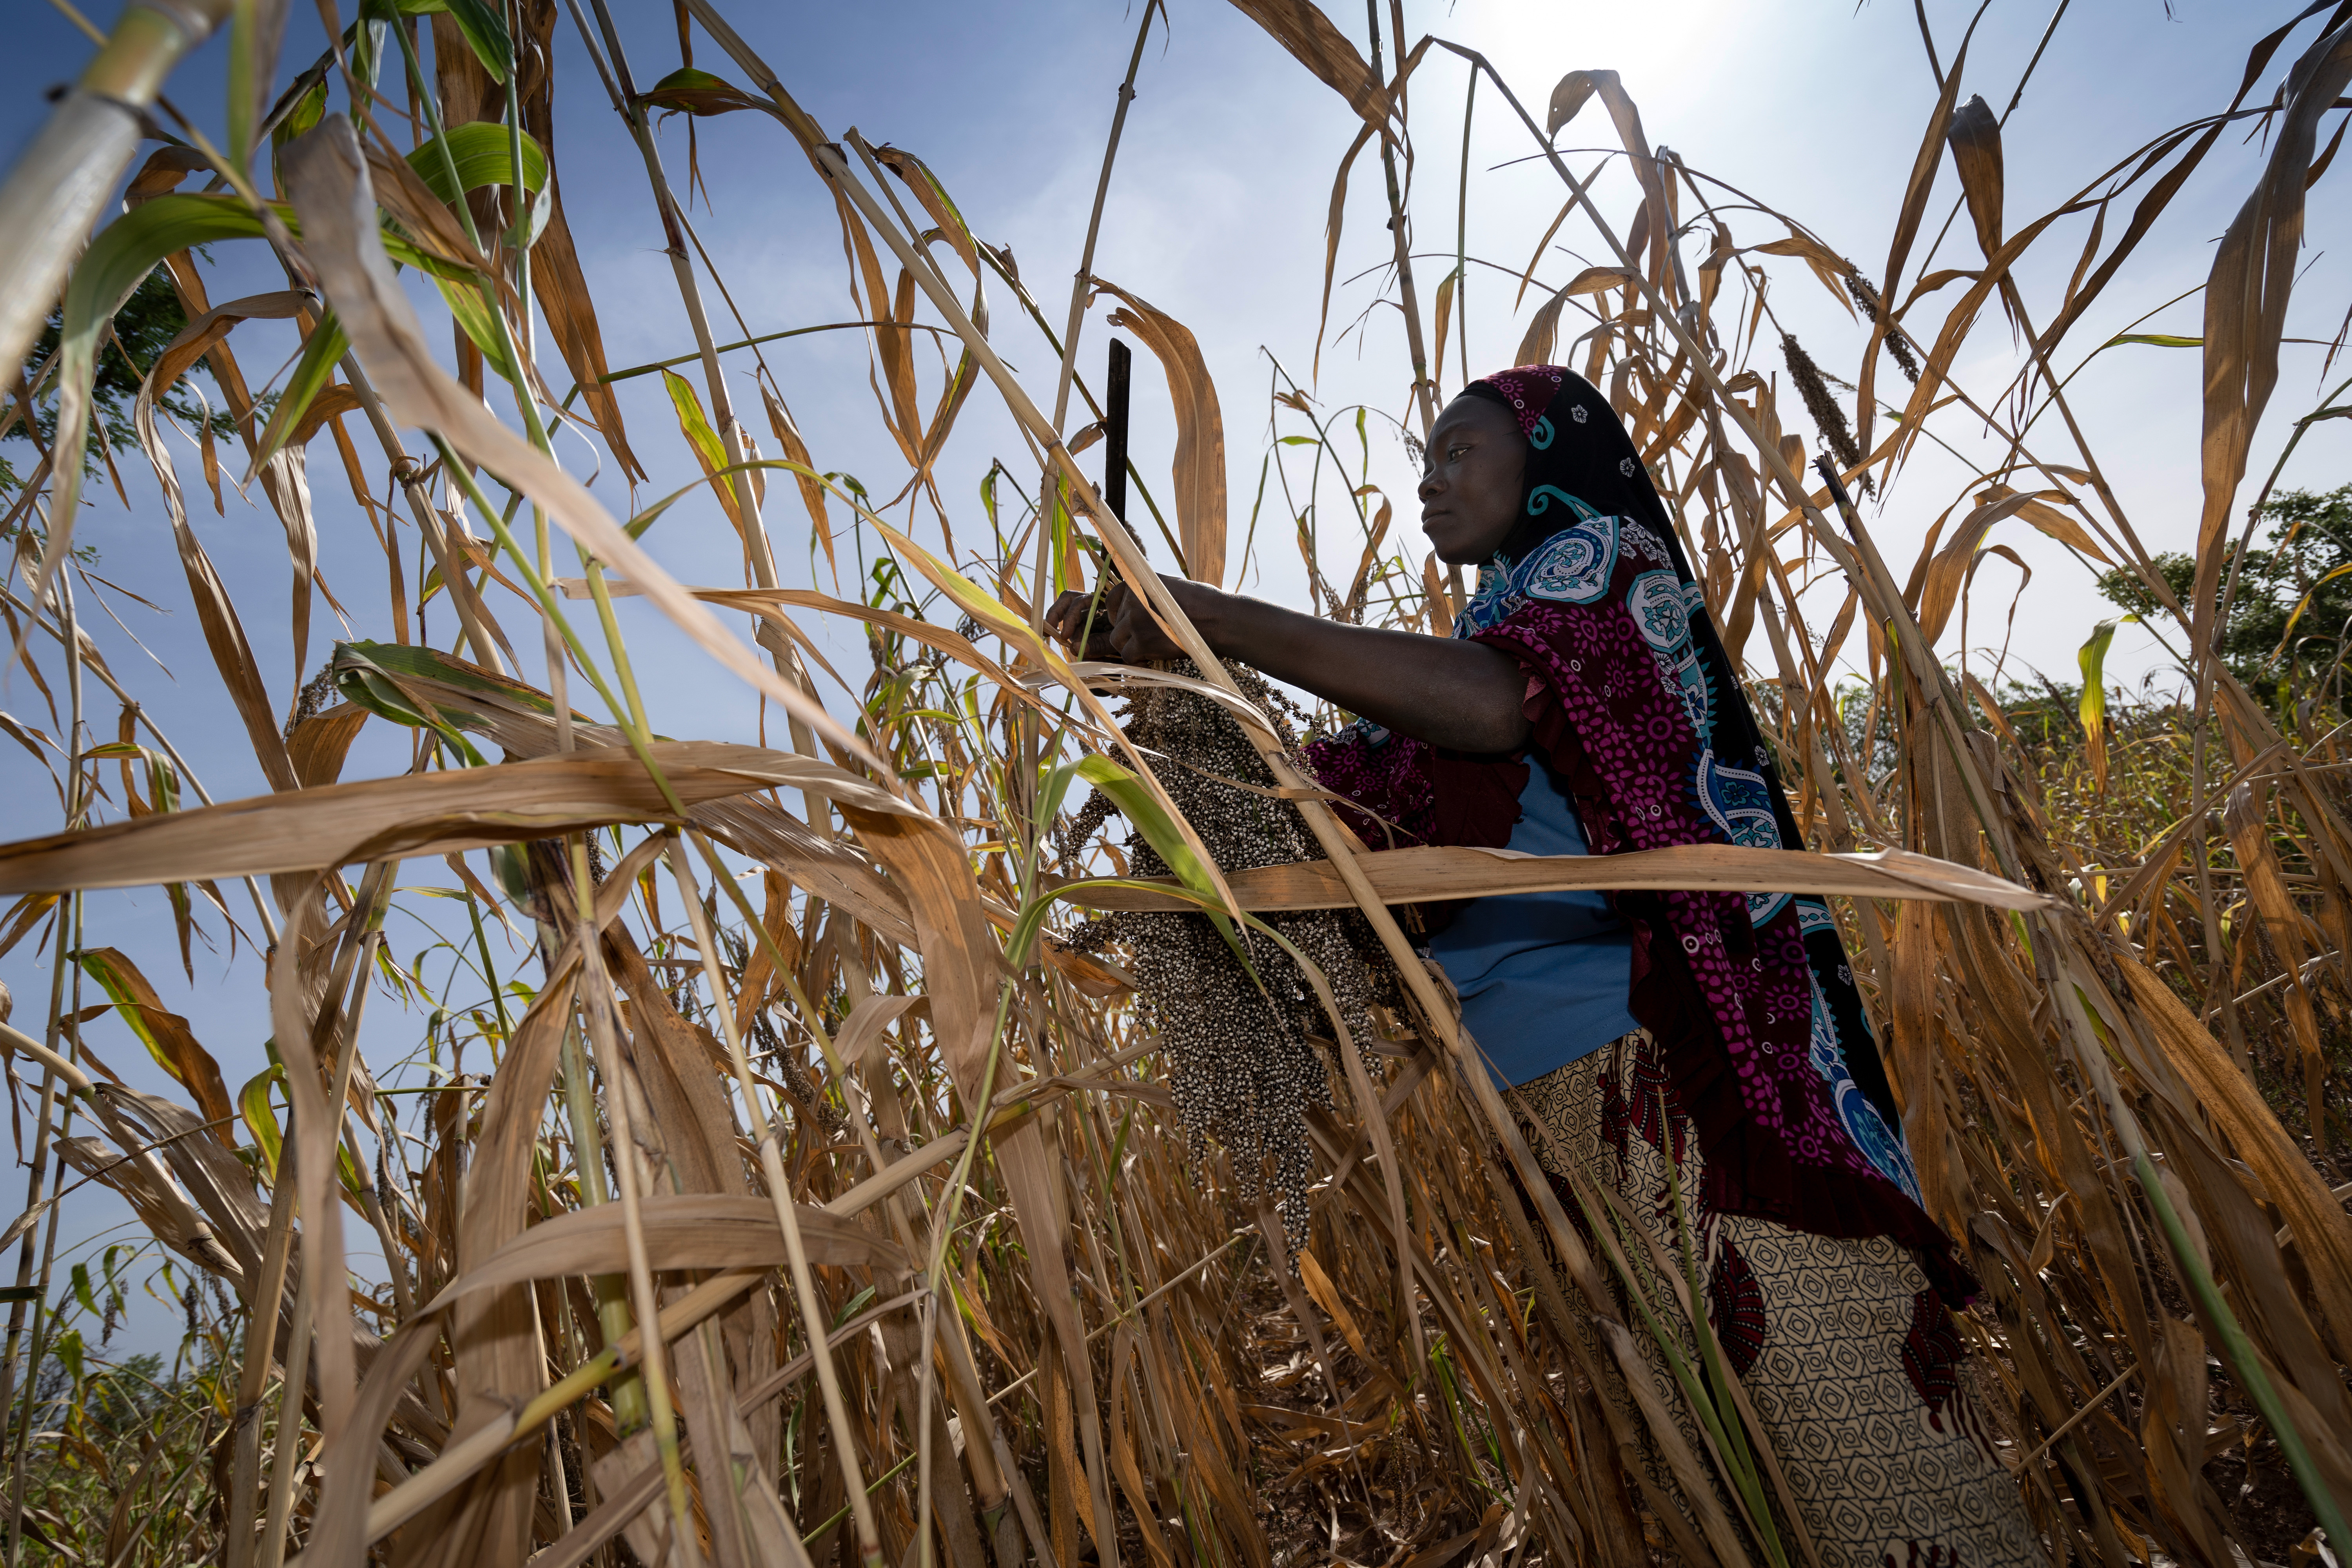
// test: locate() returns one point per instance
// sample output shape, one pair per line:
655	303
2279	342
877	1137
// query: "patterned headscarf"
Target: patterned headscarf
1638	709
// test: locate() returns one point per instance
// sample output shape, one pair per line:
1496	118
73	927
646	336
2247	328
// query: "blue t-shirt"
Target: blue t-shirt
1542	976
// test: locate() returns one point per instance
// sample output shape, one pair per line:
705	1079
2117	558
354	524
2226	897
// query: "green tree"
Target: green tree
142	329
2295	590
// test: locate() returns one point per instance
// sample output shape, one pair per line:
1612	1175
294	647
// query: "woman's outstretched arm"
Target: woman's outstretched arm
1464	696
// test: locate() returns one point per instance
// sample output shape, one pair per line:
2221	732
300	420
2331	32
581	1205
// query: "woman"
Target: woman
1702	1055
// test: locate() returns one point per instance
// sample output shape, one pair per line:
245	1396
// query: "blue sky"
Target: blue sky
1215	216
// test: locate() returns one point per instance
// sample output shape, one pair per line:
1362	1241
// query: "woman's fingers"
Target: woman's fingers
1068	614
1074	615
1120	623
1093	626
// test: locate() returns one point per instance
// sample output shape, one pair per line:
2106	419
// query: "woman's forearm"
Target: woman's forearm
1464	696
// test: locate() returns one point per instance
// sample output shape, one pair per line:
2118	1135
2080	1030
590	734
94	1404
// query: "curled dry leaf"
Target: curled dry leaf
1199	463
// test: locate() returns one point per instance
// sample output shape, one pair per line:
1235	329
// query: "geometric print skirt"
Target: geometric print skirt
1856	1370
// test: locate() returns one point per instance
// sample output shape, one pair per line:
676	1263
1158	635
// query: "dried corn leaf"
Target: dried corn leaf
1299	26
1434	873
421	815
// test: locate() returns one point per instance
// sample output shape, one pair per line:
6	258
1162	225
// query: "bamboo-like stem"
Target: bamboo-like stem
1462	235
62	180
1425	390
1084	274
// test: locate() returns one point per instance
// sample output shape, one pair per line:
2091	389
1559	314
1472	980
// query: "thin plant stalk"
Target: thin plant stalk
1084	274
60	1040
595	994
762	1122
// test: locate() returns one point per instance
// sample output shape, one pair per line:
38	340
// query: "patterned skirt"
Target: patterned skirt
1853	1367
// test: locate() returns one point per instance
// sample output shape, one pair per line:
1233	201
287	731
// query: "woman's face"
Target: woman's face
1470	491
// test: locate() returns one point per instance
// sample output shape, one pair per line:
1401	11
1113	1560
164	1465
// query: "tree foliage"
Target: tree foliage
143	328
2291	614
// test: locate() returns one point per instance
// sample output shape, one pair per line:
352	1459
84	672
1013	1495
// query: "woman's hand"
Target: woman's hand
1119	626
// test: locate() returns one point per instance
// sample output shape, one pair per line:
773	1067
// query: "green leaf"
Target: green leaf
305	114
484	156
371	689
2153	339
355	1184
484	31
311	372
507	863
2091	708
446	669
1140	807
464	298
262	1118
709	449
644	520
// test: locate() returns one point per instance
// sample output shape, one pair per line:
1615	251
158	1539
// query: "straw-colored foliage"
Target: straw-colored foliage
780	1046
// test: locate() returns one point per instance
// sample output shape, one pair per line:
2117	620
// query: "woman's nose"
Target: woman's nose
1429	486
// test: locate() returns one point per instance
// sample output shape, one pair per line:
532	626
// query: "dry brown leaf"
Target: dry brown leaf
1299	26
421	815
167	1037
563	293
224	633
2246	298
1199	463
330	402
1975	140
788	436
1950	567
1915	190
1439	872
319	743
2035	509
687	1230
1543	331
